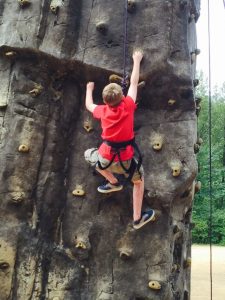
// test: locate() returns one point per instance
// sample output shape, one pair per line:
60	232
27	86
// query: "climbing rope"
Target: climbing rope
210	150
125	76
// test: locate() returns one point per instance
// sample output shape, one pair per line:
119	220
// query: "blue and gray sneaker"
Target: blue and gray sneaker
109	188
146	217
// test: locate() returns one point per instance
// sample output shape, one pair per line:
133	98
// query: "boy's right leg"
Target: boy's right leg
140	218
138	193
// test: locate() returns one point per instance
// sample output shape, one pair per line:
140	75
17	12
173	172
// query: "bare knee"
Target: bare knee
137	182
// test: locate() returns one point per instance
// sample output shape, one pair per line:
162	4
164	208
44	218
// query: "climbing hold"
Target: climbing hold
79	191
102	27
176	168
194	54
193	57
198	109
37	90
176	229
195	82
125	254
88	126
23	148
154	285
187	263
183	3
198	186
197	51
199	141
3	103
171	102
115	79
196	148
141	85
131	5
24	3
10	54
55	5
175	268
80	245
198	100
17	197
119	80
191	18
4	266
157	142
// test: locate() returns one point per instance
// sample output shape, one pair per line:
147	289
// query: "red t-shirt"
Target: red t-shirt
117	124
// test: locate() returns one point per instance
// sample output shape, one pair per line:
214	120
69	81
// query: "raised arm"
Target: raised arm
132	91
89	97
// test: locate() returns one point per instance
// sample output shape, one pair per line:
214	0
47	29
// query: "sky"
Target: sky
217	33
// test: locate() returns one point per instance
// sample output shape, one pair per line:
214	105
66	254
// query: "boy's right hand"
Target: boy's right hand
137	55
90	86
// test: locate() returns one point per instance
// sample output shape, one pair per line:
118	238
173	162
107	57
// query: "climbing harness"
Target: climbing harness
116	148
210	150
125	76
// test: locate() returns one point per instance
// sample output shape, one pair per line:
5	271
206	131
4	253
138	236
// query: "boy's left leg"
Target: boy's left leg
108	175
92	157
112	185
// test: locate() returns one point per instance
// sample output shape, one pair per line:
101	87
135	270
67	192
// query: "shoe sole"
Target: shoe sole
110	191
152	218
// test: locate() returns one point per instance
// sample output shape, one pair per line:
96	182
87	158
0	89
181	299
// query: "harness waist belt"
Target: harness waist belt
119	145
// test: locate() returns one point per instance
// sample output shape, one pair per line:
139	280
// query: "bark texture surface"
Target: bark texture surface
54	243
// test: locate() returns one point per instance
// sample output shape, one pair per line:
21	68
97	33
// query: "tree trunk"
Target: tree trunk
55	243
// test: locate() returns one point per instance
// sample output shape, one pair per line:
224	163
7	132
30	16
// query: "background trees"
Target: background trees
201	204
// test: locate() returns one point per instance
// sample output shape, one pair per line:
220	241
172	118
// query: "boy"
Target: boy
117	120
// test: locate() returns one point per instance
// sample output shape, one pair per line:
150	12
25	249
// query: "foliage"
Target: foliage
201	209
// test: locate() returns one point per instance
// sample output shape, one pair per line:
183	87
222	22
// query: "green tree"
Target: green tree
202	200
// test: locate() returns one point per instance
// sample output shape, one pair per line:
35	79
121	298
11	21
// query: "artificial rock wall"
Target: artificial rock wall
59	238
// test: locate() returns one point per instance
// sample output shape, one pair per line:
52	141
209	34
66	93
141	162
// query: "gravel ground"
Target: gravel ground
200	278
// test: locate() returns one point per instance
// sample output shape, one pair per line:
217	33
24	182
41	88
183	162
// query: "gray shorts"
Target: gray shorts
92	157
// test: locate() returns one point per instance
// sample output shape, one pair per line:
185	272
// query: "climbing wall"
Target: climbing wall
59	238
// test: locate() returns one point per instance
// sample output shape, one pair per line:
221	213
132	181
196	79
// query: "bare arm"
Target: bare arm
89	97
132	91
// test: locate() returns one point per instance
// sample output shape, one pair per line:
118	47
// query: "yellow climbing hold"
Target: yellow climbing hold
23	148
157	142
17	197
198	186
176	168
55	5
79	191
37	90
24	3
187	263
10	54
154	285
115	79
171	102
88	126
125	253
80	245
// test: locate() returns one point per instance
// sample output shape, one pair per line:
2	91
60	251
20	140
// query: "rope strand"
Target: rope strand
210	152
124	81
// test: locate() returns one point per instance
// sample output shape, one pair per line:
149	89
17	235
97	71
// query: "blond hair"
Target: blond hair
112	94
